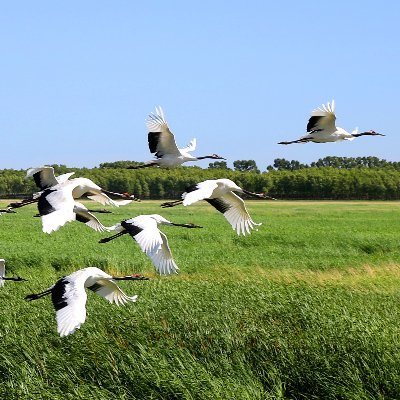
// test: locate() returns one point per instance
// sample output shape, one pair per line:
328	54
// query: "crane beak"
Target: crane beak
217	157
373	133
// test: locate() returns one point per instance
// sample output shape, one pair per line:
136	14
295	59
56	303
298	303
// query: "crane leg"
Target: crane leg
35	296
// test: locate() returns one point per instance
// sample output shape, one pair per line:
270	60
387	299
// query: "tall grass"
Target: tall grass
306	307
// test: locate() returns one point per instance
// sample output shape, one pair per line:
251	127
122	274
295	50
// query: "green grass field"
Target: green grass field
307	307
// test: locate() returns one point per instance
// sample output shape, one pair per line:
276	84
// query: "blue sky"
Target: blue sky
79	78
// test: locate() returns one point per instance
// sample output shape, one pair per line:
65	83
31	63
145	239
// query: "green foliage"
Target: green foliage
335	162
287	180
305	307
283	164
246	166
120	164
218	164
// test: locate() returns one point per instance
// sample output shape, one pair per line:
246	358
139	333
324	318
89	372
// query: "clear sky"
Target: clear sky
78	78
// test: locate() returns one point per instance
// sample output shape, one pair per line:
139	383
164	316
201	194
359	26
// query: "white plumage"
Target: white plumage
45	179
219	193
69	296
321	128
144	230
162	143
57	206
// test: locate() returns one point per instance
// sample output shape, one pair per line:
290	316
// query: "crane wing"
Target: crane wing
103	199
64	177
162	259
234	210
43	176
322	119
85	216
144	231
161	139
154	243
190	147
2	272
55	208
198	192
111	292
69	300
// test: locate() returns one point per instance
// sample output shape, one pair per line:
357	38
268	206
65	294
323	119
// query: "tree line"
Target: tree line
328	178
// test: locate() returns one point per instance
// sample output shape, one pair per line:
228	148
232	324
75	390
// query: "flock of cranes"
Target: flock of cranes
57	205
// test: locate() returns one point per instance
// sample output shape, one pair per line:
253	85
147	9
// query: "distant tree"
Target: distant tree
160	190
281	164
59	168
218	165
333	178
246	166
137	189
145	189
295	165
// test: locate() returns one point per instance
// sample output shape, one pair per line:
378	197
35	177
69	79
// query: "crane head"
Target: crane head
373	133
217	157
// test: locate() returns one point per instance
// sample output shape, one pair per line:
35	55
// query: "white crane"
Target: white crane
69	296
321	128
162	143
57	206
220	194
3	274
45	179
143	229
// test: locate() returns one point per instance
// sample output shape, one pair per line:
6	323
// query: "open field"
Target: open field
307	307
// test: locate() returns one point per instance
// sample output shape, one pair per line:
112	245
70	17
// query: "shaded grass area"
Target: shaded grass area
307	307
